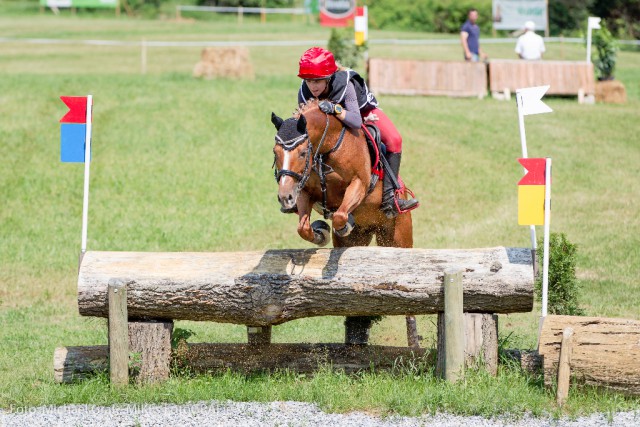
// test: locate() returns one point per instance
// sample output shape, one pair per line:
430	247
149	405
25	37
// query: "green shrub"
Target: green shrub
606	48
342	45
564	289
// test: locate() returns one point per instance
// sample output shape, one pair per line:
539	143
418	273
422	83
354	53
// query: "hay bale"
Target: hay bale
611	91
228	62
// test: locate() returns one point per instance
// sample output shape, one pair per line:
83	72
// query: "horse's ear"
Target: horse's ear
302	125
277	121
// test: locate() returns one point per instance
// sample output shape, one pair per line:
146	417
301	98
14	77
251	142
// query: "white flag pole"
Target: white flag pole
87	163
547	220
523	142
592	23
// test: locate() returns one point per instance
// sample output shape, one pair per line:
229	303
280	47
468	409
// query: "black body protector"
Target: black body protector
338	88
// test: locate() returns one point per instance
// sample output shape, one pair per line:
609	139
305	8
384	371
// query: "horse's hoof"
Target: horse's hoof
321	232
348	227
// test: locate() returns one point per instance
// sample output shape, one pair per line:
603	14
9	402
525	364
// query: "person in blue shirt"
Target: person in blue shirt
470	38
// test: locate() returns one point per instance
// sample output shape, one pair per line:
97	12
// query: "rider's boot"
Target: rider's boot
392	205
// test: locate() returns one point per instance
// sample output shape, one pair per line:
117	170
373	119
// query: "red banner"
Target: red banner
535	171
337	13
77	109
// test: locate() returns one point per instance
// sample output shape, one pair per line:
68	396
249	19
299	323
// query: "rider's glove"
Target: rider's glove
327	107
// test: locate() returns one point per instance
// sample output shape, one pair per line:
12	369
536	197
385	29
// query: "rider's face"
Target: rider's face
317	86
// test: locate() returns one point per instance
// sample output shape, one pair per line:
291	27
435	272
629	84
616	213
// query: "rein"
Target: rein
318	164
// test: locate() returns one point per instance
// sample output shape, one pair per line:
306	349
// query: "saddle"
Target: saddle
377	149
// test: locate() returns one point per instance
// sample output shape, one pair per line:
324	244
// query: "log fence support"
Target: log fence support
118	333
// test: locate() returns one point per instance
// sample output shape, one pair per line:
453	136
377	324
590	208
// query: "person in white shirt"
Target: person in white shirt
530	45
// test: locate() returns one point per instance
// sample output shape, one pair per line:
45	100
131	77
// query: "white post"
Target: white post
143	56
588	44
547	220
87	164
523	142
592	23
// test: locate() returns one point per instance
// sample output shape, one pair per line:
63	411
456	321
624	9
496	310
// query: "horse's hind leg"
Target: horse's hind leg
356	328
400	235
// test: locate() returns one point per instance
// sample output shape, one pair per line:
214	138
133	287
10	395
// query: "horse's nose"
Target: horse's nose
287	201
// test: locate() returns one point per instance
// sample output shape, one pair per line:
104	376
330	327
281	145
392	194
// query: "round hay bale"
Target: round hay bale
225	62
611	91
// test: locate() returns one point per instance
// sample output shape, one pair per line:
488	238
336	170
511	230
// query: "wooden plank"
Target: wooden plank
453	326
439	78
563	77
118	333
275	286
73	363
564	366
606	351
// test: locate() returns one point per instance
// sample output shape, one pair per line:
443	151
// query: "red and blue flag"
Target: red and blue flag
73	131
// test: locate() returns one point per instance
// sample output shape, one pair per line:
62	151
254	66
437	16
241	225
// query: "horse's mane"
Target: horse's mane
304	107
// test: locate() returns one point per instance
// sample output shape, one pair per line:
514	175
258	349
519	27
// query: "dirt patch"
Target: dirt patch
225	62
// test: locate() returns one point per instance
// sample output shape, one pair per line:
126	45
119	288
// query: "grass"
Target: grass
184	165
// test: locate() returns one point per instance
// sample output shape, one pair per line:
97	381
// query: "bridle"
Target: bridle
317	164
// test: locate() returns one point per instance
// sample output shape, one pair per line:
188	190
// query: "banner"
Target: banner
104	4
337	13
73	129
512	14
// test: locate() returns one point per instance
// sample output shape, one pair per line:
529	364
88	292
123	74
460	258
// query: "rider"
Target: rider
344	93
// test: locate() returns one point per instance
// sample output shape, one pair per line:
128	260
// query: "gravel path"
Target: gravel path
250	414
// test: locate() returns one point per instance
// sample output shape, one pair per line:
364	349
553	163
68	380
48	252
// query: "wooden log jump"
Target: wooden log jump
260	289
563	77
605	351
276	286
438	78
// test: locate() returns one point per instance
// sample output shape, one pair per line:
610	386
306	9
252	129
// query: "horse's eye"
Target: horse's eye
303	153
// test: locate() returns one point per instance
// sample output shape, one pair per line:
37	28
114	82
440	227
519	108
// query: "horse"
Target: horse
322	165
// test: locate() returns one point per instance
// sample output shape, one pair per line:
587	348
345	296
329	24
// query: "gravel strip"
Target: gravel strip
249	414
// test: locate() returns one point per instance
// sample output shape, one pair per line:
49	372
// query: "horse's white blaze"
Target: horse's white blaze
286	166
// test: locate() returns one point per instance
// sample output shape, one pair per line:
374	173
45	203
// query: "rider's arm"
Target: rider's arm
351	115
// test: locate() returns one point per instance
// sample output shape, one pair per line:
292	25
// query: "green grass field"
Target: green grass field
185	165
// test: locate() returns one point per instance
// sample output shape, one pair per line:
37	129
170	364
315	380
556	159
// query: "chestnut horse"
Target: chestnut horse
312	147
322	165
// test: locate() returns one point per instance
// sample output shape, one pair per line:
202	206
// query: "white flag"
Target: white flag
594	23
530	100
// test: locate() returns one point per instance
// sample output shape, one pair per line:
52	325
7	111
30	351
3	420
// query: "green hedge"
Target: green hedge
438	16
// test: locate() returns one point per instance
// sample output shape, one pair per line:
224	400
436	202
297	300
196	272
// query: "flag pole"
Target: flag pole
547	220
523	142
87	163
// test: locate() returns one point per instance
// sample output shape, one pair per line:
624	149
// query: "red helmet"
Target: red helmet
317	63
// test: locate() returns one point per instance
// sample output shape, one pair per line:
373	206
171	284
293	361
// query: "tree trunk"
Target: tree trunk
605	352
72	363
273	287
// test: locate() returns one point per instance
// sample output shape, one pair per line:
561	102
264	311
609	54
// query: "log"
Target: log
74	363
150	348
276	286
605	351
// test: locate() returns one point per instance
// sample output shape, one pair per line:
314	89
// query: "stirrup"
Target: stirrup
397	205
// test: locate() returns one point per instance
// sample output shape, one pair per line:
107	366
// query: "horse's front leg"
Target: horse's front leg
353	196
316	232
304	216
